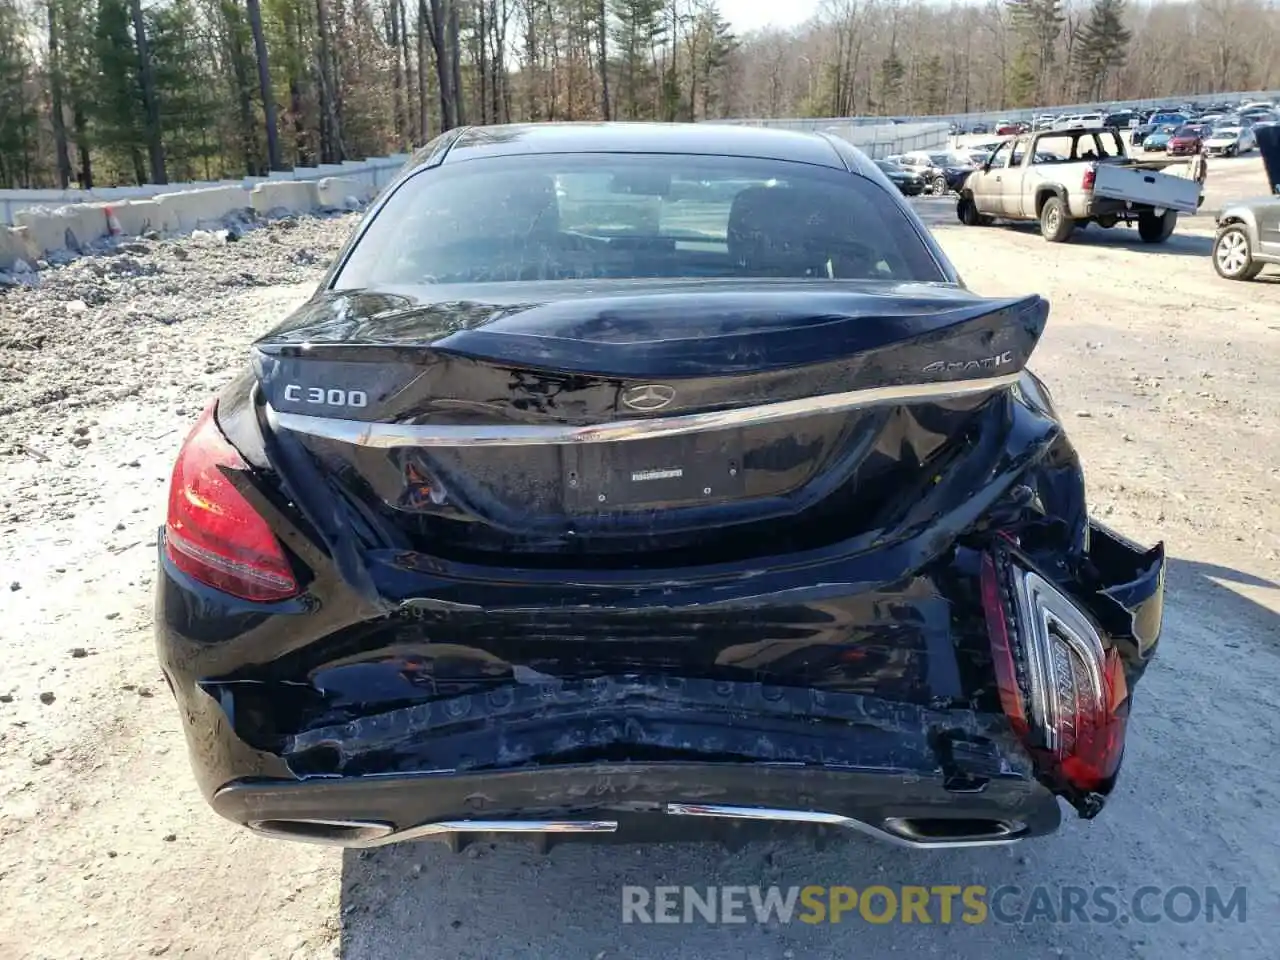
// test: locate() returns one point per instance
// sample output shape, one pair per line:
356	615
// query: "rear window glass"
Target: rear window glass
629	216
1093	145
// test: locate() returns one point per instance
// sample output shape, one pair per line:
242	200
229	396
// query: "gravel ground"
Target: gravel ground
1168	375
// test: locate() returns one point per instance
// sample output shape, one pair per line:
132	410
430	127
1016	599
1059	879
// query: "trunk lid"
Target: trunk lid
637	420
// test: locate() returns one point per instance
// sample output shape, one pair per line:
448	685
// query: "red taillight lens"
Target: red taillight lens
1064	694
213	534
1090	175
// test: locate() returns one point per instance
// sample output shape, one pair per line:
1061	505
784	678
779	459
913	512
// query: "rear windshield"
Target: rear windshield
633	216
1093	145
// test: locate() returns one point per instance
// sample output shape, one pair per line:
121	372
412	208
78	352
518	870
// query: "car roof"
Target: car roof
709	139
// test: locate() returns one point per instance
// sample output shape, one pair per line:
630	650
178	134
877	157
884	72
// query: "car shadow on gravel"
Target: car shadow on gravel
1244	614
1121	237
492	902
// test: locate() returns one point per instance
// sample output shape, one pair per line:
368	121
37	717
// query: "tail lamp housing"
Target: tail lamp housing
1063	691
1089	178
213	534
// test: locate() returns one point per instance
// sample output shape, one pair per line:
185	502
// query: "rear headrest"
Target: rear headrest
787	231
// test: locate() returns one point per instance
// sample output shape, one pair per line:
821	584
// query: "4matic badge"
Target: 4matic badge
970	366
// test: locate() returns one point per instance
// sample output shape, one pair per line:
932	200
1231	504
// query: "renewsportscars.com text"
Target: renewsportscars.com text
940	904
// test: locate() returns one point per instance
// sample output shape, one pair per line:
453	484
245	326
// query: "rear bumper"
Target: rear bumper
641	801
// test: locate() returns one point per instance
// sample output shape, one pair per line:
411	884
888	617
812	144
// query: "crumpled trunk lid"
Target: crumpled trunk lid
636	422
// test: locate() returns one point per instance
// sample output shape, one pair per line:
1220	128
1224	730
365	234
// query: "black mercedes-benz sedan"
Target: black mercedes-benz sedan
621	476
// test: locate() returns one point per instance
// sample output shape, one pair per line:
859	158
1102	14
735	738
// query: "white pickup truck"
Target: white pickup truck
1068	178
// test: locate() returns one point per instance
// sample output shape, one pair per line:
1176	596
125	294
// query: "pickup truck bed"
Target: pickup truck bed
1138	185
1065	179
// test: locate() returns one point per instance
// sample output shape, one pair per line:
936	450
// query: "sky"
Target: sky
747	15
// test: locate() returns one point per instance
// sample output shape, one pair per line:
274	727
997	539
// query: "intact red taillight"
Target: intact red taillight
1064	694
1090	175
212	533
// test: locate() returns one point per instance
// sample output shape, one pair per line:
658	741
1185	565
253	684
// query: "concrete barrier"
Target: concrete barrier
189	209
54	230
136	217
47	223
15	245
335	193
296	196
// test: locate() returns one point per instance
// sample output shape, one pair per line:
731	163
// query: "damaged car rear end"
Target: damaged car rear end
621	477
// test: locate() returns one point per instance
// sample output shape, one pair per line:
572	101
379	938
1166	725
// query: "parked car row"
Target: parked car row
940	171
1142	122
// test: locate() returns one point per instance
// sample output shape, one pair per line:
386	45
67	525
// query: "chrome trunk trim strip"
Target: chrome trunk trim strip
387	435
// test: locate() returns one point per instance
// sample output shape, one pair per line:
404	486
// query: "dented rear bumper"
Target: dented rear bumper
863	705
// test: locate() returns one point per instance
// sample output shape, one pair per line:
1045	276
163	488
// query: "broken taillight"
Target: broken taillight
213	533
1090	176
1064	694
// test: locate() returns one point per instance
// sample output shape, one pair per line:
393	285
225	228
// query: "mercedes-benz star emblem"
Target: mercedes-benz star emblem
648	396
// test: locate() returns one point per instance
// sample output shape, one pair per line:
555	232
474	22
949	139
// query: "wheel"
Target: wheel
1153	229
1232	258
968	213
1055	224
939	186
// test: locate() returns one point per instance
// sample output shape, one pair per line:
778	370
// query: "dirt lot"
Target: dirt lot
1169	378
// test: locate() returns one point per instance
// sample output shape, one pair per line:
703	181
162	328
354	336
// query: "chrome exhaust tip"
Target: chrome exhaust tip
338	833
915	832
955	831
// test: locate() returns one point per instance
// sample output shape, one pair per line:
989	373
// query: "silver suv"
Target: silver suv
1248	235
1248	238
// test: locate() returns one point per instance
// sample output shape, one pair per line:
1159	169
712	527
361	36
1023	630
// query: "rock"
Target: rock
47	697
180	253
112	615
79	653
1083	413
6	698
15	586
170	837
76	307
